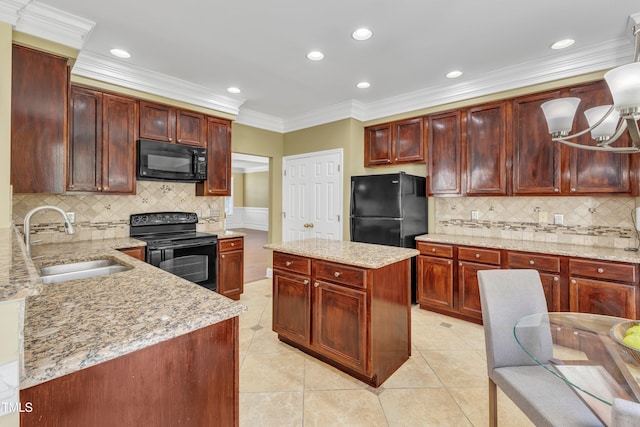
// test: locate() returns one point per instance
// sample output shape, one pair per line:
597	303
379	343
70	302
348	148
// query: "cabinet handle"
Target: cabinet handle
556	279
600	270
337	274
531	262
222	256
556	190
316	284
288	263
573	281
477	255
305	281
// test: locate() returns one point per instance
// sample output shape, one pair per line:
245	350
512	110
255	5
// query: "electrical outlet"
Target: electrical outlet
474	215
71	216
558	219
543	217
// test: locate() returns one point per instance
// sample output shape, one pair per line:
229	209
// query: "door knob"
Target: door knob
311	225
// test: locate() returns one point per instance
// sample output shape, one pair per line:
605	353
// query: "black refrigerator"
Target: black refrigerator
389	209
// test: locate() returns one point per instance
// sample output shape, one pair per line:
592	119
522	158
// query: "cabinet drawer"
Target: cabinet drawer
225	245
604	270
435	249
485	256
535	261
340	273
294	263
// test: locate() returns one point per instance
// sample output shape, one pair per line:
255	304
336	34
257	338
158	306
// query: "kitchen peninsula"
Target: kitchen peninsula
138	347
345	303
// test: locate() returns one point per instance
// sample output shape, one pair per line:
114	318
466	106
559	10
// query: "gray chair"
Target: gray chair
625	413
506	296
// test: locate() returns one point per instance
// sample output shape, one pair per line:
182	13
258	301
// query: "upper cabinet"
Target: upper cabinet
444	165
218	146
165	123
39	87
394	143
102	135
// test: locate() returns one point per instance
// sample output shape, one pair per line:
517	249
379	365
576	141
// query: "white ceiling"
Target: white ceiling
198	48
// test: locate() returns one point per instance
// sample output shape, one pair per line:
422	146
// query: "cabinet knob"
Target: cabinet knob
556	279
105	188
170	139
233	244
316	284
573	190
556	190
222	256
600	270
179	140
71	186
449	262
288	263
337	274
477	255
459	264
305	281
433	249
573	281
531	262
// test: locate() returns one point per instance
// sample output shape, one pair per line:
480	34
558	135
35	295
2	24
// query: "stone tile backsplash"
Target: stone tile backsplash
591	221
106	216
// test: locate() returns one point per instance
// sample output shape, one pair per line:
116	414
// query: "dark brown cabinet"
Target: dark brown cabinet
435	276
549	267
231	267
487	150
470	261
292	297
137	253
396	142
218	182
101	142
165	123
39	90
444	157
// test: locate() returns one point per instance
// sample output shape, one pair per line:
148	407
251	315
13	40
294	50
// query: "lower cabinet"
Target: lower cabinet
353	318
472	260
549	267
137	253
231	267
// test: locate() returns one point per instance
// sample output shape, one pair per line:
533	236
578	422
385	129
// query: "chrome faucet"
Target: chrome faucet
68	227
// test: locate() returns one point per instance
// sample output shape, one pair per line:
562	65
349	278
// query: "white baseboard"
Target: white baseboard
248	217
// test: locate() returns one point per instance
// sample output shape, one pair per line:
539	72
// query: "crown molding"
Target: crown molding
105	69
251	170
10	10
260	120
344	110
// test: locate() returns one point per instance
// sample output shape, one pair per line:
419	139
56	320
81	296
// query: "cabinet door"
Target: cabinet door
39	90
468	289
118	144
191	128
85	140
598	297
551	287
340	325
444	153
218	182
157	122
596	171
231	274
486	148
137	253
408	140
292	307
378	145
435	282
536	159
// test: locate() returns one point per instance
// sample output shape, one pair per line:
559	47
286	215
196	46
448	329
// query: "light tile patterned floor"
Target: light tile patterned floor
444	383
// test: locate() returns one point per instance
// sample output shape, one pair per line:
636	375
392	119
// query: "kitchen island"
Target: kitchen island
345	303
138	347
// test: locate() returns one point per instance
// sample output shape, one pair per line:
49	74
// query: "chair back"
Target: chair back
506	296
625	413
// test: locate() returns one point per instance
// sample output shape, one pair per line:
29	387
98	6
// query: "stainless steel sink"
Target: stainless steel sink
80	270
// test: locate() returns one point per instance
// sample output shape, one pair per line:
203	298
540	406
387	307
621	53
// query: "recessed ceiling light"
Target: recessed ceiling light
233	89
561	44
363	85
315	55
362	34
120	53
454	74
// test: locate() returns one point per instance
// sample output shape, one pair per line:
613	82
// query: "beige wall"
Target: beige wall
238	190
260	142
256	189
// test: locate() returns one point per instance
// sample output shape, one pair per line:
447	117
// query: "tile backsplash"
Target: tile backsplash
106	216
591	221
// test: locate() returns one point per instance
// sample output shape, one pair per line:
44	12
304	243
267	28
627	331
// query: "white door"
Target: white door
312	196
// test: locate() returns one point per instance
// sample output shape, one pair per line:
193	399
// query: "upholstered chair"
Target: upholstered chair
625	413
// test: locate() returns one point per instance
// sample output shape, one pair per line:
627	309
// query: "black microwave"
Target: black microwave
162	161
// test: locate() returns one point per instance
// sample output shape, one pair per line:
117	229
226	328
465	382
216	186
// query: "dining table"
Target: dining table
585	351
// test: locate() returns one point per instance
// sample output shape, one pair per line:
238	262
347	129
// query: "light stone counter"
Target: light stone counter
229	234
352	253
608	254
18	278
79	323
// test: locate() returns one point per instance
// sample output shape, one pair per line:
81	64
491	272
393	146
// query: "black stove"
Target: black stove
174	245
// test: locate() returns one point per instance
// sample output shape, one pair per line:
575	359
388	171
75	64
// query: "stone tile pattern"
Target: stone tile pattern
80	323
18	277
351	253
589	221
107	216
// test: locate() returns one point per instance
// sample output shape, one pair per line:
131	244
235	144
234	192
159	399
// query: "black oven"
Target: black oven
174	245
161	161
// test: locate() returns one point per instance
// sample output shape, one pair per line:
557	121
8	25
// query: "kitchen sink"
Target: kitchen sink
80	270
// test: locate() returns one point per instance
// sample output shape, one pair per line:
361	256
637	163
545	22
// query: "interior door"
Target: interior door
312	196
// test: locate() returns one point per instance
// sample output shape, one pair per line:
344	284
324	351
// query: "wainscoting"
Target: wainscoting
247	217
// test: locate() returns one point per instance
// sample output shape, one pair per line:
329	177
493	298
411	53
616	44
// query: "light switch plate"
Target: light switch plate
474	215
71	216
558	219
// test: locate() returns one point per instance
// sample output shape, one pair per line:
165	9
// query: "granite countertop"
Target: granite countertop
351	253
608	254
228	234
76	324
18	278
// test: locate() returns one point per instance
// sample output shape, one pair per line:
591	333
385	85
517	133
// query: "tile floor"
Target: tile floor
444	383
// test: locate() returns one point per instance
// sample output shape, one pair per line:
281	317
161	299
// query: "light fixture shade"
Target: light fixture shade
605	129
624	84
560	113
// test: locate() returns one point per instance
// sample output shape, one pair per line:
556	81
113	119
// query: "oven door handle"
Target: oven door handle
182	246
